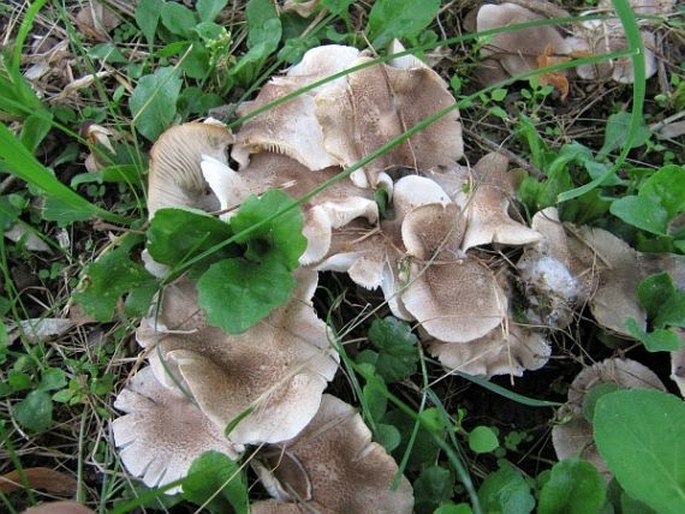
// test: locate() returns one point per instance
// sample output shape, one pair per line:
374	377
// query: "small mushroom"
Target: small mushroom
334	464
572	436
516	51
163	431
175	178
487	207
273	374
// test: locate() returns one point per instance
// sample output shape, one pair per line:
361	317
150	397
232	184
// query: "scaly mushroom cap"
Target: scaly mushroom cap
454	297
643	7
175	178
334	463
162	431
378	104
278	368
334	207
500	352
572	438
513	52
275	507
487	207
601	254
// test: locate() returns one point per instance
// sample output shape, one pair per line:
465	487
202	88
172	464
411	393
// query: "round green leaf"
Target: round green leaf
483	439
640	435
574	487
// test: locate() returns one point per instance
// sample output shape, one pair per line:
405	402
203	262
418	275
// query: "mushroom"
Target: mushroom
614	266
506	350
163	431
453	296
270	378
332	208
516	51
487	207
572	436
292	127
545	268
378	104
678	365
333	464
175	178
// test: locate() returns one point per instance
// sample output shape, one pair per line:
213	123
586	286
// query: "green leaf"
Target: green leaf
659	340
264	25
176	236
574	487
211	472
451	508
209	9
34	130
34	412
375	394
660	199
177	18
153	102
640	433
109	278
665	305
433	487
147	18
483	439
51	379
506	492
15	157
388	436
616	132
237	293
594	394
337	7
281	237
398	356
391	19
425	450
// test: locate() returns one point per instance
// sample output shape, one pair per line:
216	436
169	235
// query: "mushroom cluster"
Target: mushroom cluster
514	52
440	253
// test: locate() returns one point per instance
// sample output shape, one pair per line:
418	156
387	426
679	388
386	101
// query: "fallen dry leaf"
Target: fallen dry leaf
556	79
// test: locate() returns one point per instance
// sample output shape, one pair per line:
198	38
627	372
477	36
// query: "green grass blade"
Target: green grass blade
506	393
637	51
18	160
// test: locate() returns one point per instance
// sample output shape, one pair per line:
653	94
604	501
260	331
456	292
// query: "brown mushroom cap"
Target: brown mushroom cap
334	463
572	438
278	368
380	103
599	253
487	208
175	178
500	352
454	297
514	51
162	431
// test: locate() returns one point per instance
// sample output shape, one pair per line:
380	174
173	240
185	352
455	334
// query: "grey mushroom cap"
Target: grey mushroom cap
334	463
572	437
163	431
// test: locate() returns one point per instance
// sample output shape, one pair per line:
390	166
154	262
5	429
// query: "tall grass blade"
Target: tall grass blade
19	161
